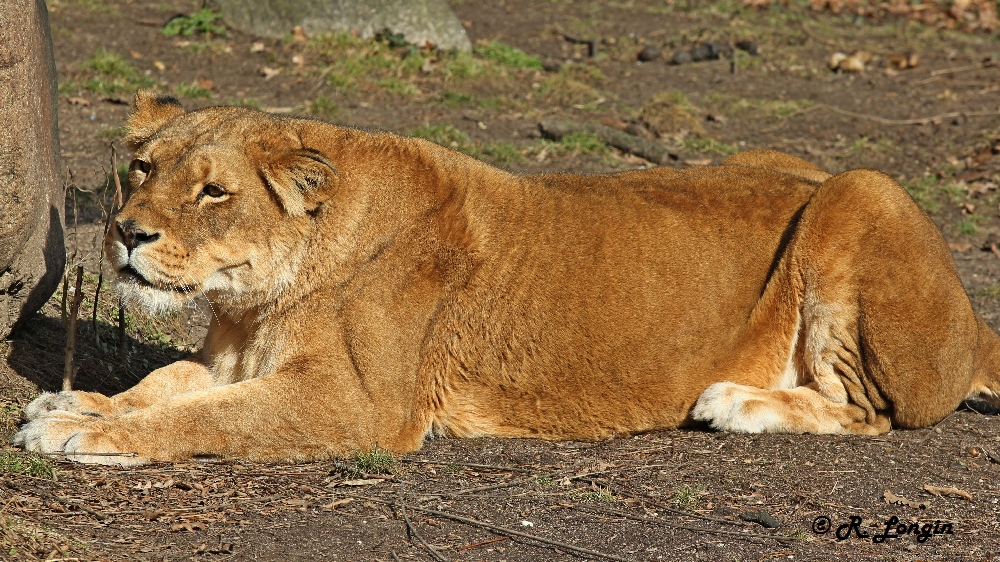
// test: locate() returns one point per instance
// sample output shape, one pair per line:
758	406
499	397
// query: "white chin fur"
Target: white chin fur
154	300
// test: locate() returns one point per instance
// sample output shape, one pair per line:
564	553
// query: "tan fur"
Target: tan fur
370	289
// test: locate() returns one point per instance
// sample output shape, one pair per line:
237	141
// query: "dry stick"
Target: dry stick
411	530
882	120
471	465
917	121
617	513
120	200
69	368
958	69
621	140
496	528
107	225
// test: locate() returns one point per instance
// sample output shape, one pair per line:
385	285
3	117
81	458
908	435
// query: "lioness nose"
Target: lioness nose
133	235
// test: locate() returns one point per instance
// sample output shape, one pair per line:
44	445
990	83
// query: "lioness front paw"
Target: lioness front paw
89	403
81	438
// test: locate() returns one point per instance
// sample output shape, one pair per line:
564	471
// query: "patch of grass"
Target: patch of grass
110	133
562	90
956	192
594	495
107	73
462	66
866	144
583	143
193	91
323	107
991	291
203	21
452	99
924	191
398	87
969	225
246	102
507	55
446	135
452	468
26	464
376	461
688	497
501	153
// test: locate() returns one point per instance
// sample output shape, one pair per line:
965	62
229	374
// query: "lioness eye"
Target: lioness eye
140	166
213	190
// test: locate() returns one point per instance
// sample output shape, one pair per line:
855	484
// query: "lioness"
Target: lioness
371	289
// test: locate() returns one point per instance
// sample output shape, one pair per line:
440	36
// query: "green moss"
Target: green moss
507	55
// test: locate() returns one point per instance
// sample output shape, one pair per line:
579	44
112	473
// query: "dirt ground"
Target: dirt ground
924	109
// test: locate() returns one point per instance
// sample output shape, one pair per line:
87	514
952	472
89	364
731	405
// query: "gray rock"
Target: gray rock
418	20
32	254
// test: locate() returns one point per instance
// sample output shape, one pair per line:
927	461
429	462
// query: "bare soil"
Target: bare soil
669	495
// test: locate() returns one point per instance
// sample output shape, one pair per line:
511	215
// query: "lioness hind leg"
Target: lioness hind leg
728	406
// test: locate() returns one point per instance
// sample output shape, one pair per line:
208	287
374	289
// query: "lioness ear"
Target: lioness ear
301	180
149	113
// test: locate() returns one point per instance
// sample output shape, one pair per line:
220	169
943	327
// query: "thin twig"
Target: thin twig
115	204
471	465
69	365
411	530
958	69
617	513
916	121
120	199
497	529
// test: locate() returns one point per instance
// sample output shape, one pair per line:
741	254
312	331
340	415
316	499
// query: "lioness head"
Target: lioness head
218	202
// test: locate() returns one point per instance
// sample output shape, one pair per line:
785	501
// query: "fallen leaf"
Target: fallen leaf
891	499
614	123
299	35
299	61
83	102
698	161
204	83
968	208
182	43
267	72
187	527
336	503
257	47
159	65
947	491
135	54
960	247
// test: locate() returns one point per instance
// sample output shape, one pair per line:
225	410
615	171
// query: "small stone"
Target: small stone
681	57
701	52
648	53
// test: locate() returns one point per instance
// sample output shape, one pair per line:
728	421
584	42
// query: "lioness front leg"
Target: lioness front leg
175	378
280	417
